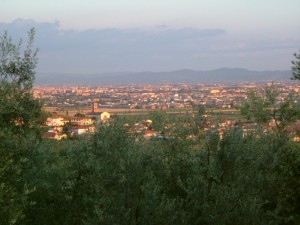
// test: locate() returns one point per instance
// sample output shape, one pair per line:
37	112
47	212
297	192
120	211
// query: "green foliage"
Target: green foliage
111	179
47	174
14	163
270	107
19	111
79	115
200	120
20	115
296	67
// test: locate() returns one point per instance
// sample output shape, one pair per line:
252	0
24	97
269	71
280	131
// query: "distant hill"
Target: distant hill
223	75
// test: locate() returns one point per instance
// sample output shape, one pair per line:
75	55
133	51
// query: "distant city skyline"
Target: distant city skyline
159	35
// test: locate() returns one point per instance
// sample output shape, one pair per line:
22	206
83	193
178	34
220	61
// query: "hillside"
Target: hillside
223	75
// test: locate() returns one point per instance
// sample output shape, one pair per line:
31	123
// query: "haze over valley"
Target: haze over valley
223	75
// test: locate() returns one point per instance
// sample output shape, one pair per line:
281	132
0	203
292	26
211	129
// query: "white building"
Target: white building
104	116
56	121
82	121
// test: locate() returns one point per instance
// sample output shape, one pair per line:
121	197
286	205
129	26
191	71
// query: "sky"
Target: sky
95	36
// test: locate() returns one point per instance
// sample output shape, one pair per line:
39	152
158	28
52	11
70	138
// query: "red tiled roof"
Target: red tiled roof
49	135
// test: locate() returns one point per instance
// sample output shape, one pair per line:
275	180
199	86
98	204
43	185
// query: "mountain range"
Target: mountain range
186	76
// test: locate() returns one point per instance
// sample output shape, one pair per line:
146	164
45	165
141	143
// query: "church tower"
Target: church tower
94	106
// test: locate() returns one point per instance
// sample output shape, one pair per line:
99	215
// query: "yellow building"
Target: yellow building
215	91
104	116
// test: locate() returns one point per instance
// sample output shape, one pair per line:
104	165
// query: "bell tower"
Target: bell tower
95	103
94	106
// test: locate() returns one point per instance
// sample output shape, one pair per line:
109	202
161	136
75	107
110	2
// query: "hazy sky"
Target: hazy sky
133	35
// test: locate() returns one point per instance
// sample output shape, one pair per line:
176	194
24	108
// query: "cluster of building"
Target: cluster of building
153	96
218	96
59	127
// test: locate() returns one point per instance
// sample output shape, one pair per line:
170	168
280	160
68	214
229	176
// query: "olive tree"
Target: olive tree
270	106
18	109
19	117
296	67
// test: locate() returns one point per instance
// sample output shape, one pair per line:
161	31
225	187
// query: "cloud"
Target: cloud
111	49
121	46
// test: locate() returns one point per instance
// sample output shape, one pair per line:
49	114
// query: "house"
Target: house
56	121
82	121
104	116
92	115
296	139
150	133
82	129
54	135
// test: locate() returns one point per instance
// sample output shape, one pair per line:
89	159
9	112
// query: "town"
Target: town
68	98
74	110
